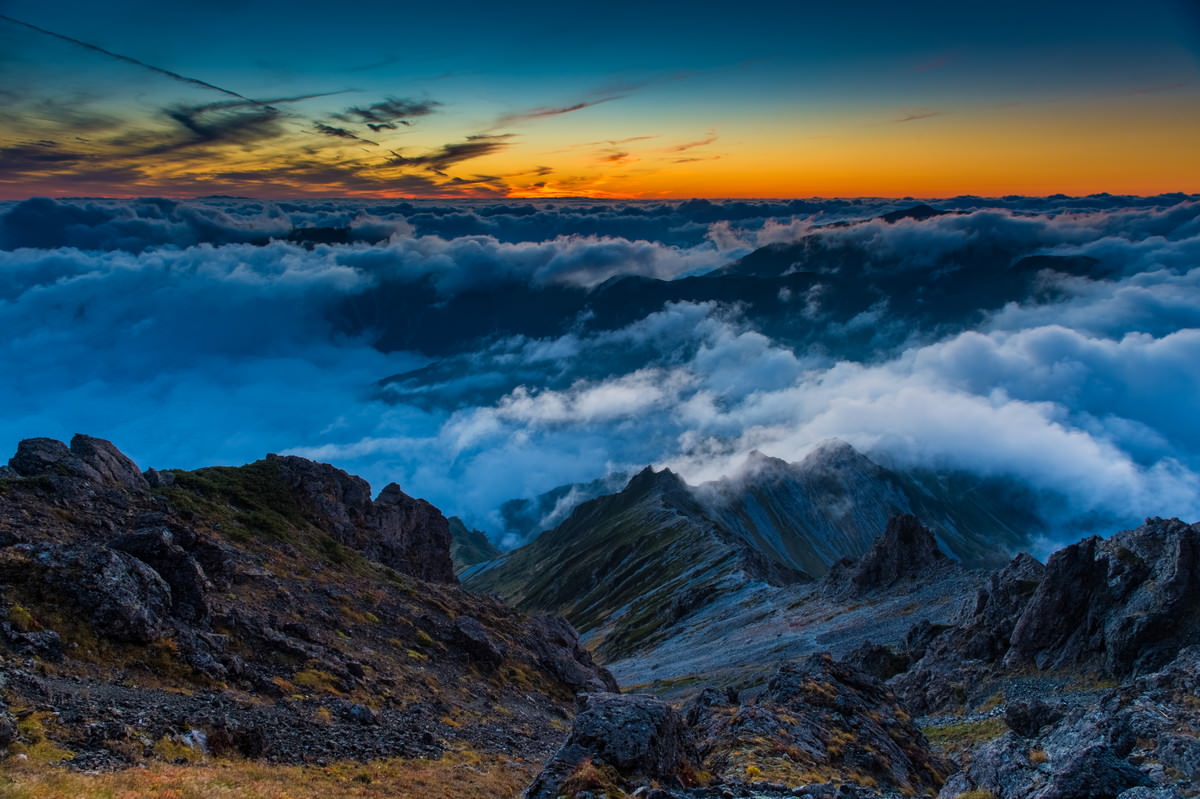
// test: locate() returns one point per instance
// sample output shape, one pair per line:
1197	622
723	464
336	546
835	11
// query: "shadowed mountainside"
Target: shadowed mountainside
274	611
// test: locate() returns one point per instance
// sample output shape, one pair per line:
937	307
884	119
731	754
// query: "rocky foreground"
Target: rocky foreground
273	611
276	613
1078	679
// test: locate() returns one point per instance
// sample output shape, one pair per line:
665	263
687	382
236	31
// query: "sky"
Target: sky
267	99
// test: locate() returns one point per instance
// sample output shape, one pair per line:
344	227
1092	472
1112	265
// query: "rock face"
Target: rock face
409	535
122	597
1124	605
617	742
157	548
1117	607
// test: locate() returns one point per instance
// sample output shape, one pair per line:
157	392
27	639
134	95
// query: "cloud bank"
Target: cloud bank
196	333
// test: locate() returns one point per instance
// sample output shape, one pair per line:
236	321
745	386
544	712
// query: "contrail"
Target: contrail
129	60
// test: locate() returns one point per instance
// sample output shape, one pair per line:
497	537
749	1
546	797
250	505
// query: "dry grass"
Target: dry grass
461	774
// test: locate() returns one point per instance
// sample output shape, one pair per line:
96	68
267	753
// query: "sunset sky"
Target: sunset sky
269	99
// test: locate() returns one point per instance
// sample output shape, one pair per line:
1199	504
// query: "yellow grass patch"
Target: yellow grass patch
461	774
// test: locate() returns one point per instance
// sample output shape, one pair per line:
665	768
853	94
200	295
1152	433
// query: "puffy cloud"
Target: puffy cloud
189	336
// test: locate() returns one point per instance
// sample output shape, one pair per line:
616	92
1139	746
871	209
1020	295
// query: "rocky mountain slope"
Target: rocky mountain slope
832	505
274	611
658	575
625	567
1077	679
277	613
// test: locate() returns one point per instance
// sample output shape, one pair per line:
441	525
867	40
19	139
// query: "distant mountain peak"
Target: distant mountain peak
647	480
921	211
836	453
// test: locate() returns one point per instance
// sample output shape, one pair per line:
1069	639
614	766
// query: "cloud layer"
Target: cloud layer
195	333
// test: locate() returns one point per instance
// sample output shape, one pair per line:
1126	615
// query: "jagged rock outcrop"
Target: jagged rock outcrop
409	535
1120	606
907	550
1125	605
88	458
618	741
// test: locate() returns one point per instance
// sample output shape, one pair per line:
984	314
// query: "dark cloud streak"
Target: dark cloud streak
128	59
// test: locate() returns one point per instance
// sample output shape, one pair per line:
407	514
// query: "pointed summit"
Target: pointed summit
907	549
663	481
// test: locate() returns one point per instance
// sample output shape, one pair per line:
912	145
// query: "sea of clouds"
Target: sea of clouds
193	333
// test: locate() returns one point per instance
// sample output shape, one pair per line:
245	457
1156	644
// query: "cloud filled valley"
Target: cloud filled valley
478	352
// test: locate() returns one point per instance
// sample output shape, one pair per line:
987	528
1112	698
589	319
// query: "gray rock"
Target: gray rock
92	459
556	645
1027	719
113	466
637	737
125	599
37	457
1125	605
156	547
473	638
1094	773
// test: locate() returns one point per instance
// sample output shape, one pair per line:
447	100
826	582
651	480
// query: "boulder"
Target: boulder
113	466
480	647
92	459
37	457
616	742
124	599
1027	719
1094	773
